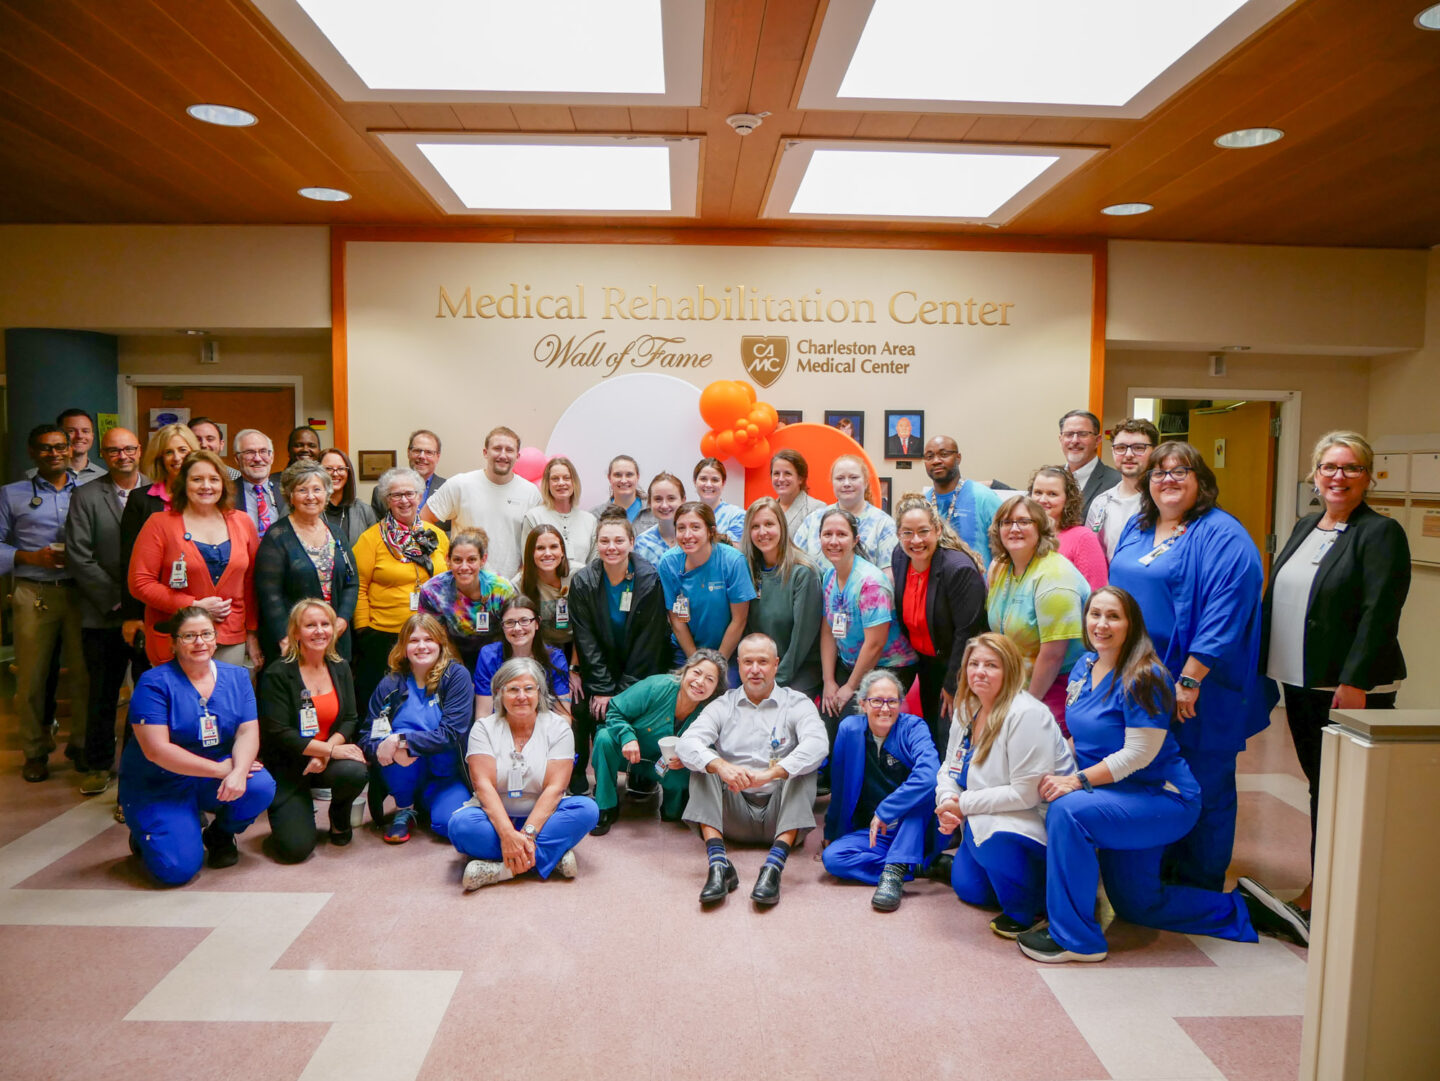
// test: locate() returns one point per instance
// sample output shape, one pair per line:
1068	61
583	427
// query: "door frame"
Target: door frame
129	401
1287	450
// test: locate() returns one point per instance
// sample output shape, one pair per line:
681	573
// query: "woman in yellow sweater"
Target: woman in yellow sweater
395	557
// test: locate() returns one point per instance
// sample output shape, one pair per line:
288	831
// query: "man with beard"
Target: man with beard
966	506
1131	443
494	499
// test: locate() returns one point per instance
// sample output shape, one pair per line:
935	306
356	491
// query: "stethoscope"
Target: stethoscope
36	499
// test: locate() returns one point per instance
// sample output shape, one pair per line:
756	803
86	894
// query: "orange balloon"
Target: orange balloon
724	444
707	445
748	391
723	402
756	456
764	417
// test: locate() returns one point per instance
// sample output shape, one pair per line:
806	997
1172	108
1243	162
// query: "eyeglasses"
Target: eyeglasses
1350	469
1122	449
132	449
883	703
914	534
1017	523
190	637
258	455
336	470
416	452
524	690
518	623
1078	435
53	448
1180	472
401	497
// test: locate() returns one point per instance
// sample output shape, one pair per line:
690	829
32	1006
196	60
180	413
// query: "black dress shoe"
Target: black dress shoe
941	868
35	769
767	886
220	847
341	838
608	817
889	892
720	883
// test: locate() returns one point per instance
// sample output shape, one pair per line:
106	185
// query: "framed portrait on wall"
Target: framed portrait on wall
904	433
885	494
371	463
789	416
849	421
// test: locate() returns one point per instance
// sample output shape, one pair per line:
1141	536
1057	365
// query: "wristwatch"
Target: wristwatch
529	830
1085	781
1190	683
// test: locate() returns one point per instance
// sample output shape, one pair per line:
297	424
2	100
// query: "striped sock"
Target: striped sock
716	851
779	853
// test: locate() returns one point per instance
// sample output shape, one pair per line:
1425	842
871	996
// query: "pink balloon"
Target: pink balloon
531	463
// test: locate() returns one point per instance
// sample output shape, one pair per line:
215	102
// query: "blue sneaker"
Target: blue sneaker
398	832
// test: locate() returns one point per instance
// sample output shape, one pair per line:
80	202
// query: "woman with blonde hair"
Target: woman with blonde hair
308	728
161	461
560	508
850	480
415	730
787	602
1003	741
1036	598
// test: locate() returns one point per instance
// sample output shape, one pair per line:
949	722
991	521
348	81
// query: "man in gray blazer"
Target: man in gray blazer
1080	443
423	452
92	554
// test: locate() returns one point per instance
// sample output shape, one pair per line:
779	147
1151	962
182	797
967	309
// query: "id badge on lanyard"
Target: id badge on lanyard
1164	546
414	602
309	717
380	727
1076	686
179	577
1329	542
515	776
681	607
840	623
209	726
957	768
625	600
482	621
562	614
777	745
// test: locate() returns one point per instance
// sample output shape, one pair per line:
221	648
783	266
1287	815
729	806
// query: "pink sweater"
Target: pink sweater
1083	548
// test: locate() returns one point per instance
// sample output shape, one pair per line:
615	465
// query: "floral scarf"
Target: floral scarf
409	543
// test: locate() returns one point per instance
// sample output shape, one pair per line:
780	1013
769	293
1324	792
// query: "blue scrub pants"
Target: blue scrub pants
1130	824
1007	870
441	795
850	856
165	822
1202	856
574	816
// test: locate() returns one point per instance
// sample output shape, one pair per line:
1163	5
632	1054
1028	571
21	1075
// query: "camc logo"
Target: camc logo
764	357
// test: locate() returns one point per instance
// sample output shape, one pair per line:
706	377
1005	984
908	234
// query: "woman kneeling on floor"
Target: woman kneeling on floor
1003	741
882	772
520	758
415	730
1133	795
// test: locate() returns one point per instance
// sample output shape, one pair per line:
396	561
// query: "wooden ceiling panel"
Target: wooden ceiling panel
92	128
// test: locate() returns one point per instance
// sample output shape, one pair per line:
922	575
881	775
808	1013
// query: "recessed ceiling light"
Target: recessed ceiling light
1245	138
1122	210
574	46
1236	348
1102	52
581	178
1429	19
192	333
325	195
895	184
227	116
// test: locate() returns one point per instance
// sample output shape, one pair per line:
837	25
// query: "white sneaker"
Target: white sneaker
567	866
481	873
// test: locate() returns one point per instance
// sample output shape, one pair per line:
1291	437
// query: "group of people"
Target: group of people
1088	654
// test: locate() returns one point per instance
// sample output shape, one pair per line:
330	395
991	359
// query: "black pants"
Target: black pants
372	661
108	659
1307	712
583	726
932	684
292	811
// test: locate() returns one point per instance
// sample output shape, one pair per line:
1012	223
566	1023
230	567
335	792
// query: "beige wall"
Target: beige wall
1402	402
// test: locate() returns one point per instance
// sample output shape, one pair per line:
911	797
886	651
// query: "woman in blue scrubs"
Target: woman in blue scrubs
1195	574
196	738
521	627
707	586
1132	796
415	730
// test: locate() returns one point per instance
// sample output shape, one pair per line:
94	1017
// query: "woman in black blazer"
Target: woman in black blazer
617	611
308	730
1331	629
302	555
940	598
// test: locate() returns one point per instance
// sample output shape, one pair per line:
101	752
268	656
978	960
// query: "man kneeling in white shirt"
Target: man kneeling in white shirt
753	753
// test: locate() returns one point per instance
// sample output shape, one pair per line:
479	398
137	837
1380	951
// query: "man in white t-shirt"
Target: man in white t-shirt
493	498
1131	443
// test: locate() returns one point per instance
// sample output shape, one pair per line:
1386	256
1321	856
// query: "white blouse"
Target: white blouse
552	740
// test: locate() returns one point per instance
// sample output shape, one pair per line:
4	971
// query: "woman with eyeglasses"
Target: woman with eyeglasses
882	774
940	582
196	740
1002	742
1331	629
520	626
394	558
1195	573
348	516
468	598
1036	599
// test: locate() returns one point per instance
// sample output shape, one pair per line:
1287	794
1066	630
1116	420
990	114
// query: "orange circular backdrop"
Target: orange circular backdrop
821	445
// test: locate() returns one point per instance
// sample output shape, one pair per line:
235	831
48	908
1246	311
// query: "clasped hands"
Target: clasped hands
233	779
389	752
517	849
343	751
738	778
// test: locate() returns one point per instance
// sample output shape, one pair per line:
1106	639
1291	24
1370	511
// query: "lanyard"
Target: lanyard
1165	545
952	512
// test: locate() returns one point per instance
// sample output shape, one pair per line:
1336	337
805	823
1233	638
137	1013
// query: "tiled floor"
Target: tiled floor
370	963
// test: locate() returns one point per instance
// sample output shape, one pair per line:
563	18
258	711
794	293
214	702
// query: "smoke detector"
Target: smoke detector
745	123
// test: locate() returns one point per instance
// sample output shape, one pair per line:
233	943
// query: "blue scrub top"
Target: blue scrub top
1098	716
613	596
491	657
421	713
1154	587
711	588
165	696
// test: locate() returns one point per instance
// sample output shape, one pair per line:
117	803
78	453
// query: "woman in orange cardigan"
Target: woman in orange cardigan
199	552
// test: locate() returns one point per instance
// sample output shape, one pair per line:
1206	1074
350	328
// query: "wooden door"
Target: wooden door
1238	442
268	409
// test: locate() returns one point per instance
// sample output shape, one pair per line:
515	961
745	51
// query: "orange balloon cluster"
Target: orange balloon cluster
740	426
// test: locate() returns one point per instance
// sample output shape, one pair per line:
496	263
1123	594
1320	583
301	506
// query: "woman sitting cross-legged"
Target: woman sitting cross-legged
308	727
1002	743
415	730
520	758
1133	795
642	715
882	773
